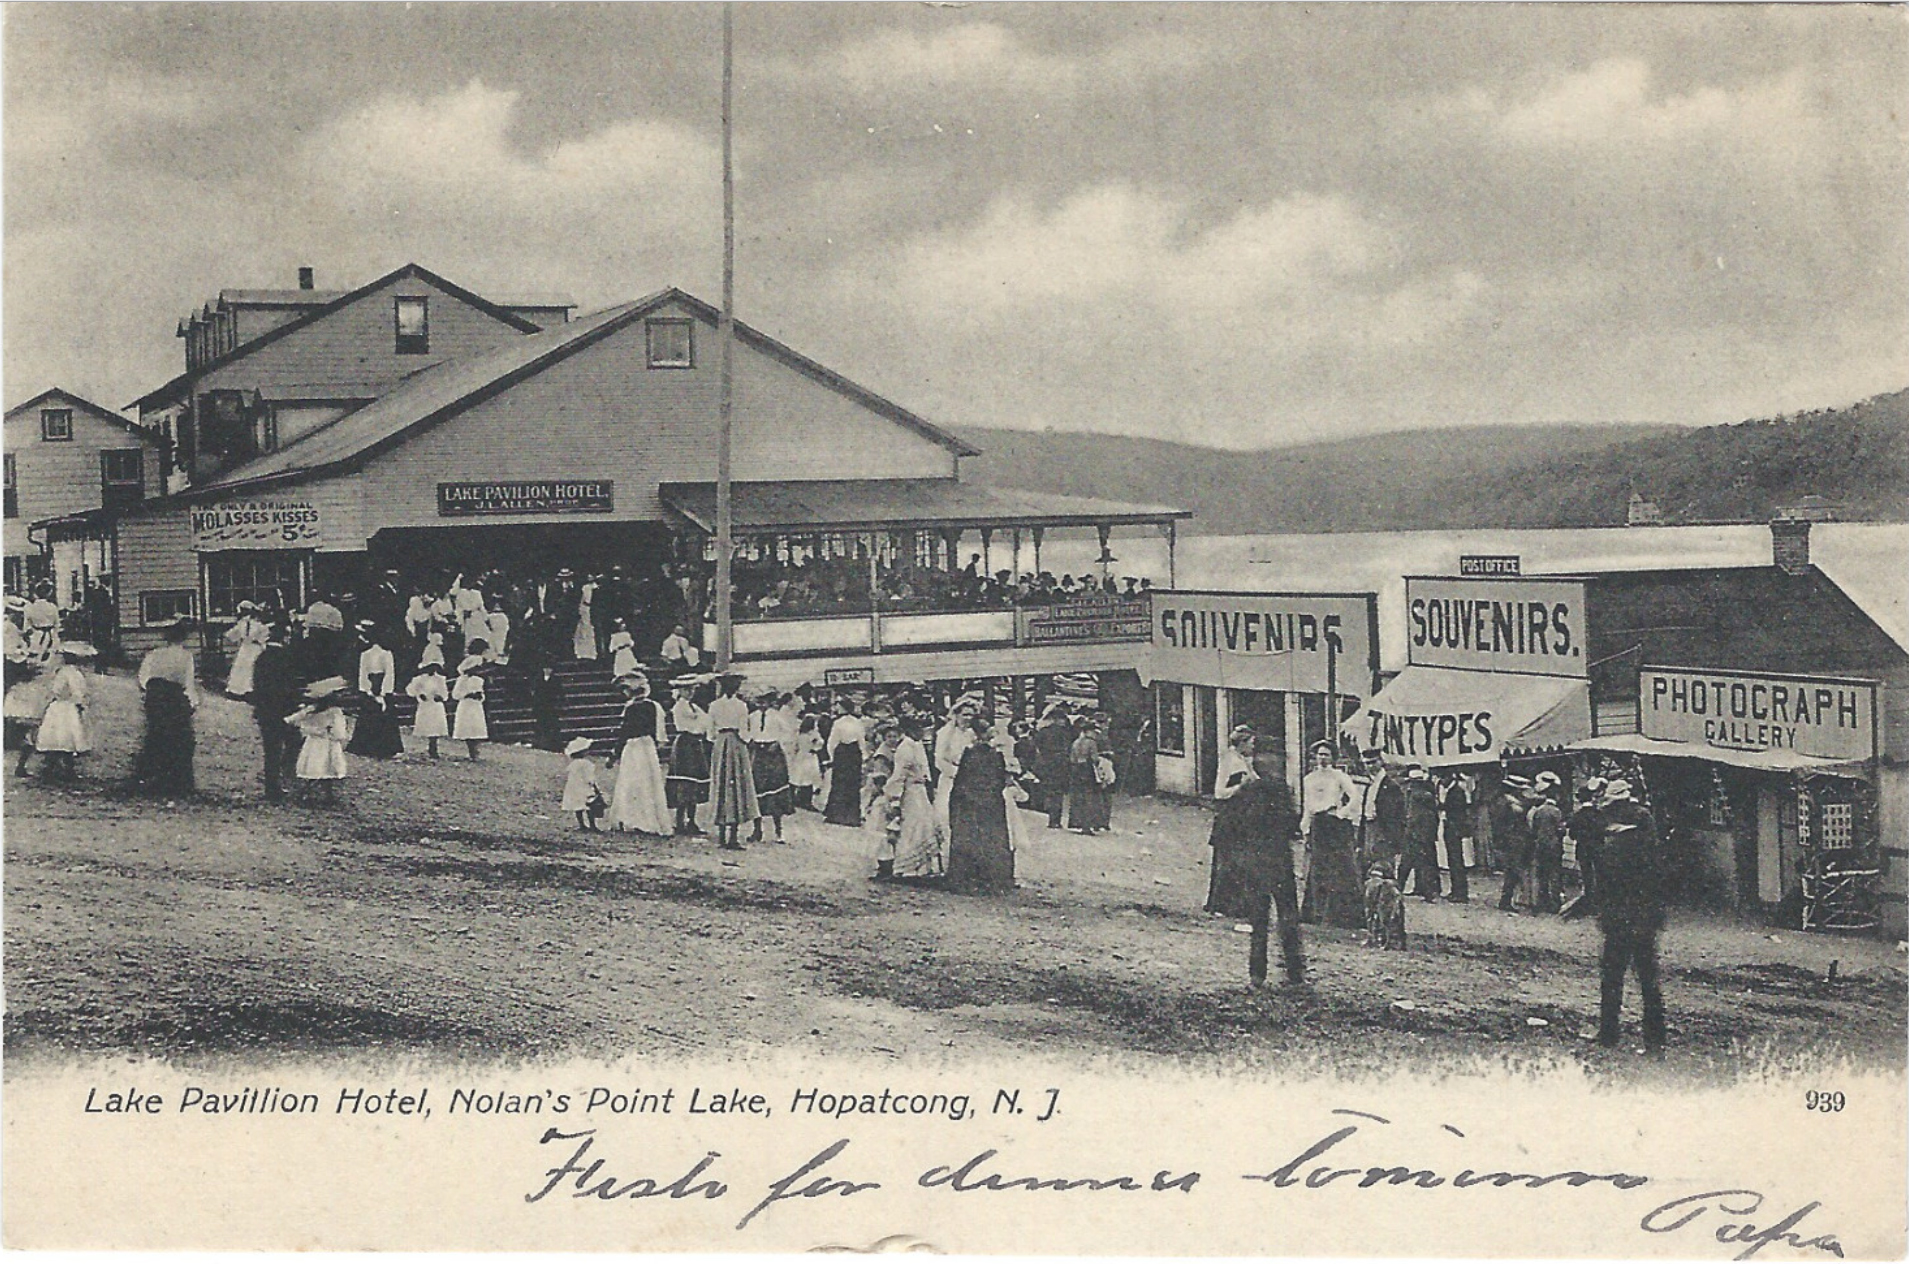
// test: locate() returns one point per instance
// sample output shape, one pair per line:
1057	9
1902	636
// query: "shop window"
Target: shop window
16	575
1838	826
166	605
274	579
122	477
1169	719
13	488
672	344
413	316
56	425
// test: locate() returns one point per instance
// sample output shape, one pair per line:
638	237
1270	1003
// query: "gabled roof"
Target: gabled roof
104	414
171	390
444	390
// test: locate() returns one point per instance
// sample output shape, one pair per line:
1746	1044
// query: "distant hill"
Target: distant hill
1485	476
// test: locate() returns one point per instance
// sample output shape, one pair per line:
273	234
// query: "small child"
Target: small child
430	722
62	735
581	793
321	760
469	725
433	651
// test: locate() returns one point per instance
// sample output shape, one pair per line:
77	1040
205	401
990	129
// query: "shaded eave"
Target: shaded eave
172	390
898	504
97	410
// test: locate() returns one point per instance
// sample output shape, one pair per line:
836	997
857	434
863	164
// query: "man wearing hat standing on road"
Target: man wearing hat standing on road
1630	913
1546	823
275	691
1421	835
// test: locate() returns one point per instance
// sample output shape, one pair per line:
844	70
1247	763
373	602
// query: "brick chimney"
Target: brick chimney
305	278
1790	544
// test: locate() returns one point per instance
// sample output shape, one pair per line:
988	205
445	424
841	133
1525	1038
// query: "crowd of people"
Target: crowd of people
817	586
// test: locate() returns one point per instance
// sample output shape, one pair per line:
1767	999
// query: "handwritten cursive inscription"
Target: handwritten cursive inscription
1730	1206
1287	1175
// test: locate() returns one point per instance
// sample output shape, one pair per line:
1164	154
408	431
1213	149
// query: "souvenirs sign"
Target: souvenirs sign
535	496
256	524
1827	716
1297	642
1531	626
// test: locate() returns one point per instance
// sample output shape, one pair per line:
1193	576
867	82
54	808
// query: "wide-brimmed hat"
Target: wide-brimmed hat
577	746
16	602
1416	773
1545	780
247	605
433	666
635	682
1239	731
77	649
470	663
1615	791
326	688
1316	747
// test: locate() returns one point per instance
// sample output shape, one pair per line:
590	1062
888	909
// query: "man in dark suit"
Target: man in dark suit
1384	812
1421	835
276	685
1270	822
1630	913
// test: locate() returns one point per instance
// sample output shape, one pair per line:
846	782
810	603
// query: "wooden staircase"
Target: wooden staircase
592	704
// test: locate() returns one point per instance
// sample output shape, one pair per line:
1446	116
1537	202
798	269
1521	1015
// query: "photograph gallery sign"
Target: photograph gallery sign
1824	716
532	496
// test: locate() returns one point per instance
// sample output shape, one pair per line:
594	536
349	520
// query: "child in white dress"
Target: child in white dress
321	760
433	651
581	793
469	726
62	734
431	692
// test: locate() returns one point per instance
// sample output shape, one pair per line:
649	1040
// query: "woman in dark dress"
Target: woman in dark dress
844	805
168	678
376	731
980	861
1089	803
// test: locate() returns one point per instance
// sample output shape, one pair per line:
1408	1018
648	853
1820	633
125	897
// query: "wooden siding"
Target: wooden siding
357	343
155	555
602	413
63	477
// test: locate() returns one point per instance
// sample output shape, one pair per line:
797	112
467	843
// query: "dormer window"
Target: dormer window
413	317
672	344
56	425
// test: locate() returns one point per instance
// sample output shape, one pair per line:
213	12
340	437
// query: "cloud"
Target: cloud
988	57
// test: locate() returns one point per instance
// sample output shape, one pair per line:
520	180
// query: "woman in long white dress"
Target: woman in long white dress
429	722
622	647
639	802
951	743
918	845
583	644
247	638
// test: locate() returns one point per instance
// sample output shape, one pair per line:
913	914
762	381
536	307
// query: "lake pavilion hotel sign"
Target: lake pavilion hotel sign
529	496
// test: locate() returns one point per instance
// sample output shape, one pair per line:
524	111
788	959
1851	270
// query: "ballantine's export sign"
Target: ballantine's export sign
1089	619
1267	641
1828	716
255	524
533	496
1531	626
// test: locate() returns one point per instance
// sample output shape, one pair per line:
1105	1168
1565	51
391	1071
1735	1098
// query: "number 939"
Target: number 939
1824	1101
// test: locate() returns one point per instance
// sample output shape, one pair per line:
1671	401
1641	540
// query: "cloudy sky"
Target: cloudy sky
1230	224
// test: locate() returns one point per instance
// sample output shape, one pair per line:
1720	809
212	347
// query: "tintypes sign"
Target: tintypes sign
256	524
1826	716
536	496
1289	642
1530	626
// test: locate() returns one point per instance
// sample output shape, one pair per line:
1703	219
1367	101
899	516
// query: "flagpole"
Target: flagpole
727	337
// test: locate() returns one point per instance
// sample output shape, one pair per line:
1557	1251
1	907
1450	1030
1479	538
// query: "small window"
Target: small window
56	425
1839	825
164	606
13	488
413	325
1169	731
671	344
122	477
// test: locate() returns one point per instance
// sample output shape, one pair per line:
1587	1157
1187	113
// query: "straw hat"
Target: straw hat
470	664
326	688
77	649
1615	792
577	746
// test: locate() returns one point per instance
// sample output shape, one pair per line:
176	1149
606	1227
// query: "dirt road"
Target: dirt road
448	907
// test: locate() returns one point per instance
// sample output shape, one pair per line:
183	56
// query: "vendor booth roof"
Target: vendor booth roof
444	390
1524	715
896	504
1755	760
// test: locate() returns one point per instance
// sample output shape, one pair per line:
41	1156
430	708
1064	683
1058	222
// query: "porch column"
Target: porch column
1105	532
1038	533
987	550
